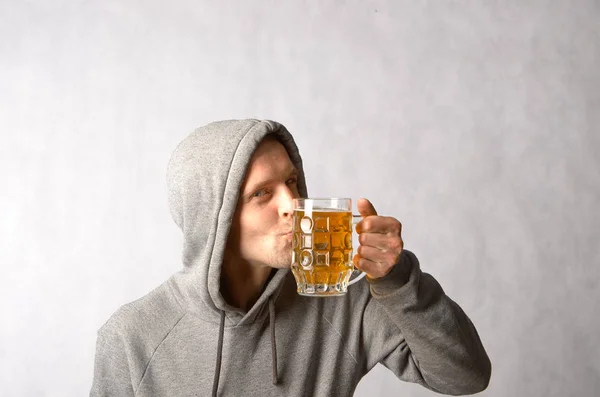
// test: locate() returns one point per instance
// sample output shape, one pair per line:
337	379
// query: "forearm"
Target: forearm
441	338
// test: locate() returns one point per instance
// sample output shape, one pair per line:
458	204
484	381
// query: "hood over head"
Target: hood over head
204	177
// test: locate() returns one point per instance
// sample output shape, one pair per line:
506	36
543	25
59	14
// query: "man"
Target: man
230	322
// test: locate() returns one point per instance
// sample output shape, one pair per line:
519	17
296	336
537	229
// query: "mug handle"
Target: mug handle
355	220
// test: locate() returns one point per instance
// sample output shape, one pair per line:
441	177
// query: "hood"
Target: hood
204	177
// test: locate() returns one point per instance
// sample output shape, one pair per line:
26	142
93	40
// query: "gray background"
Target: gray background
474	123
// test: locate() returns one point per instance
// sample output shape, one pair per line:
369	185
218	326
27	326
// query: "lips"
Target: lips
287	235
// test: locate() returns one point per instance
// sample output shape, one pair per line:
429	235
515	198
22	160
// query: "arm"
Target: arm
430	339
112	376
423	336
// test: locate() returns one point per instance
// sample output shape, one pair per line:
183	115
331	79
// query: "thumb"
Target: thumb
365	208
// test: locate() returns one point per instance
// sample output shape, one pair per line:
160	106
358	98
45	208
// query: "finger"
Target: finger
383	242
372	269
370	253
365	208
385	258
379	224
364	264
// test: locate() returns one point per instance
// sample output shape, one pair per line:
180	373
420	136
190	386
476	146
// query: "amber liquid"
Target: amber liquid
322	251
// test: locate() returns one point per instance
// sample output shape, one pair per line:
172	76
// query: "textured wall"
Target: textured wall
474	123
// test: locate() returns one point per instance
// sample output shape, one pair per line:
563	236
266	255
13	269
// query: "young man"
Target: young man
230	323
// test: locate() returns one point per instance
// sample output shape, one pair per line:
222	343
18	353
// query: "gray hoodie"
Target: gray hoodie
183	339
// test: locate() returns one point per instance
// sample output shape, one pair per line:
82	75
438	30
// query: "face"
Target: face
261	230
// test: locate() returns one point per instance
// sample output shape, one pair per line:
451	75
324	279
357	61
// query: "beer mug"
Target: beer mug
322	246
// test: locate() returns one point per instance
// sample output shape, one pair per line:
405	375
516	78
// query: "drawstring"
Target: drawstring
273	341
220	348
219	354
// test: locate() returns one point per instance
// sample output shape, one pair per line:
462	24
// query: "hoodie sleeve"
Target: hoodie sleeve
421	335
112	376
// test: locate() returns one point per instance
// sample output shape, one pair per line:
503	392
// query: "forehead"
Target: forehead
269	157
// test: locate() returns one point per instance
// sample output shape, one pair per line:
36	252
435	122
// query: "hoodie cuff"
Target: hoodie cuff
397	278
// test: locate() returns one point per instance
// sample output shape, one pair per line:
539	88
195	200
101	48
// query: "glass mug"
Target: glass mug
322	246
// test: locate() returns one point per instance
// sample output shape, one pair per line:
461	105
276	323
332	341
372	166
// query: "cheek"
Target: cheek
246	230
258	221
256	225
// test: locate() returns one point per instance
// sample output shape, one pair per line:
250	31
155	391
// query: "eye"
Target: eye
259	193
292	181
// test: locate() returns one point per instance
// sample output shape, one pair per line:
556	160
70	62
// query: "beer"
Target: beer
322	250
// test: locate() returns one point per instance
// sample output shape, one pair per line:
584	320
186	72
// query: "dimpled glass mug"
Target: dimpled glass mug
322	246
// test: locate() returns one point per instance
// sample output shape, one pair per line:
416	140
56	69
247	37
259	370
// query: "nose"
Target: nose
285	203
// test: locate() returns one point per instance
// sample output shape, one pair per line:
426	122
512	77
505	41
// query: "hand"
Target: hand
380	239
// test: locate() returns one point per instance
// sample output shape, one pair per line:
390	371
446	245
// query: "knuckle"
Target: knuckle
396	244
363	264
359	227
362	238
365	224
362	250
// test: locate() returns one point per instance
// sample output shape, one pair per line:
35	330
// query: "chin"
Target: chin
274	262
282	264
279	257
